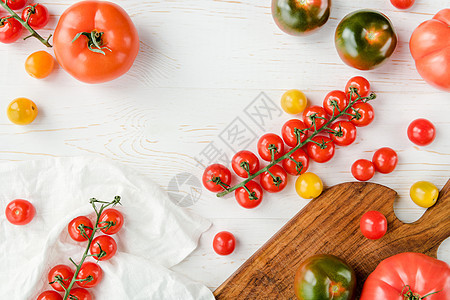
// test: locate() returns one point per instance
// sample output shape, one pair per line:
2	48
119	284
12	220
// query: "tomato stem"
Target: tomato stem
95	41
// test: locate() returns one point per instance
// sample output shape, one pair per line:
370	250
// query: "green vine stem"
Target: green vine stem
25	24
316	131
409	295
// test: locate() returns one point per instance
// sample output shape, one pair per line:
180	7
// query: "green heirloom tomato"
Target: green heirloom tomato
365	38
300	17
324	277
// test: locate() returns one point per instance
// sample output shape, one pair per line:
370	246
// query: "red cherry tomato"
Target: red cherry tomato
363	114
92	271
402	4
10	30
363	170
339	97
323	152
108	247
345	133
20	212
49	295
63	271
385	160
288	132
37	15
224	243
273	185
291	166
373	225
361	84
243	198
267	141
244	160
114	217
15	4
316	113
75	232
421	132
80	294
216	177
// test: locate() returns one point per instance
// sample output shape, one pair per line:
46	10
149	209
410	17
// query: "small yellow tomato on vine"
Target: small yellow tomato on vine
424	193
22	111
293	102
308	185
39	64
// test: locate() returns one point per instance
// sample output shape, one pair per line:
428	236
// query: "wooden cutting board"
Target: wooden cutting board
329	224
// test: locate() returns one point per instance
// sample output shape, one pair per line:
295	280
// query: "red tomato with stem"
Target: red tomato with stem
320	149
373	225
20	212
92	273
216	178
246	199
224	243
64	273
344	133
402	4
361	84
74	228
245	162
339	98
363	170
270	144
363	114
49	295
80	294
421	132
385	160
37	15
289	129
111	216
10	30
15	4
298	164
103	247
315	114
274	184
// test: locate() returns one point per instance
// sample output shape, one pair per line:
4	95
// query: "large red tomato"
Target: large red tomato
405	275
95	41
430	48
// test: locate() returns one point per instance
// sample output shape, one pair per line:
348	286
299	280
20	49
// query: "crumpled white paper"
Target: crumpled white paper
156	234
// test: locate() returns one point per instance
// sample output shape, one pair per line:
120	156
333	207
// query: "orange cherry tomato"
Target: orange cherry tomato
22	111
39	64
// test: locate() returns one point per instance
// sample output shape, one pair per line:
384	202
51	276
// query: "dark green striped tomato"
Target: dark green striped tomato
324	277
300	17
365	38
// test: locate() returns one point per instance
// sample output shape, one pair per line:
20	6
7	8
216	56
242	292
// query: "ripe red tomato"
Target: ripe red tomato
37	15
115	217
110	26
49	295
243	198
224	243
63	271
291	166
10	30
345	133
108	247
361	84
316	113
363	114
338	97
20	212
80	294
363	170
421	132
216	177
323	152
15	4
268	144
274	185
75	232
89	269
243	162
373	225
288	132
385	160
402	4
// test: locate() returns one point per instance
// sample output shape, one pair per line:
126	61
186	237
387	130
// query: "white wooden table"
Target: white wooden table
201	66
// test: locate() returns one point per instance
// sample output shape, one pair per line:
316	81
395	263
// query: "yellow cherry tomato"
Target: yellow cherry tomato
424	193
308	185
39	64
293	102
22	111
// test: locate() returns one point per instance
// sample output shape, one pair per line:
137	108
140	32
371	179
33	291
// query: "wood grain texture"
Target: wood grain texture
330	225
